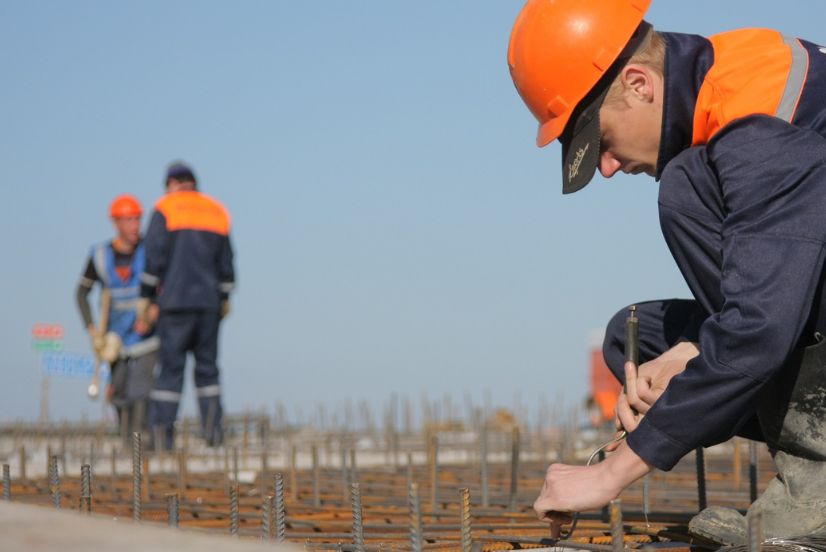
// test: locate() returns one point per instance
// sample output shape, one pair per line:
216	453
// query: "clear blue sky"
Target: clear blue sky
396	229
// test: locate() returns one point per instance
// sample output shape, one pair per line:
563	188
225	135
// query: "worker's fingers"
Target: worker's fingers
648	394
631	383
557	520
626	415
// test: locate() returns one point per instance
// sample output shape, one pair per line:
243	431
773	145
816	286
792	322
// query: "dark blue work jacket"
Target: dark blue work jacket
744	215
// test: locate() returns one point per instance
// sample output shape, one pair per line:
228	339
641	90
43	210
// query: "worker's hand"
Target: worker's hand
652	377
142	310
144	325
570	489
225	308
96	338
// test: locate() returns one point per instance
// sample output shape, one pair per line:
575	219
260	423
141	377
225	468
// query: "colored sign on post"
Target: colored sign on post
47	332
71	365
41	346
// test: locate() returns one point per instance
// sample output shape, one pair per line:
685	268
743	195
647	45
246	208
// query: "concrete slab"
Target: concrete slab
38	529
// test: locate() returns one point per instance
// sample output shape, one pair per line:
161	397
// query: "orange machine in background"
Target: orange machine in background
604	389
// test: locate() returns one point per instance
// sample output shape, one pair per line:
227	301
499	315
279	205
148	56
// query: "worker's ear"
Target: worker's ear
638	82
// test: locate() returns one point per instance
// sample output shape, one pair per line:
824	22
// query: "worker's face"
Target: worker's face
128	229
631	124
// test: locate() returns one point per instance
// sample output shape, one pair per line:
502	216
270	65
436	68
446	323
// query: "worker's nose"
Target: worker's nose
608	164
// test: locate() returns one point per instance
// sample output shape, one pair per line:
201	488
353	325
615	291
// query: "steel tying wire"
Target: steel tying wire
795	544
575	516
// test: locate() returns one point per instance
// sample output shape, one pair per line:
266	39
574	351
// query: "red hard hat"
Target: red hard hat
125	206
559	50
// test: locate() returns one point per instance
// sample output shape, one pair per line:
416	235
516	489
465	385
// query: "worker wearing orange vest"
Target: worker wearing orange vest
190	274
734	128
127	344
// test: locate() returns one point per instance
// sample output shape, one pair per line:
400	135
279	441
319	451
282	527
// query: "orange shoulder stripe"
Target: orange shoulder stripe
749	76
191	210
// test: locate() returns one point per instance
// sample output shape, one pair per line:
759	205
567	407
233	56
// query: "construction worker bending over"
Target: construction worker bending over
734	128
189	271
126	343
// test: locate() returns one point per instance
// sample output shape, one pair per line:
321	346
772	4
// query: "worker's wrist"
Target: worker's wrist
623	467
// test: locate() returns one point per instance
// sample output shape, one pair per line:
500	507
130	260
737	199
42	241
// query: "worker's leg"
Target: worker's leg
176	330
207	386
793	418
139	384
116	394
662	324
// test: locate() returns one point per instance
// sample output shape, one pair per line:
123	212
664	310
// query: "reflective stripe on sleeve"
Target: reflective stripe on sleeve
226	287
149	345
149	279
795	81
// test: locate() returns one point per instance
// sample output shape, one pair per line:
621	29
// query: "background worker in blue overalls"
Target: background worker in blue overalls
126	343
189	272
734	128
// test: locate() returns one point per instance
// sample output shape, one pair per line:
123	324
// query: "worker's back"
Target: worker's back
188	251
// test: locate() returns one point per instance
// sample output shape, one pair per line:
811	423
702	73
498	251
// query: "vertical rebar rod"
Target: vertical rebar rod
358	522
264	469
137	454
233	509
267	511
606	510
293	472
646	497
345	474
234	465
86	488
114	460
434	471
54	481
752	471
483	464
755	529
280	516
415	519
172	509
146	478
617	531
737	464
22	462
467	540
700	459
409	469
316	484
6	482
514	466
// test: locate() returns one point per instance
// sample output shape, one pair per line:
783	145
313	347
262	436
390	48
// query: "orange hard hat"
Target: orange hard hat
560	49
125	206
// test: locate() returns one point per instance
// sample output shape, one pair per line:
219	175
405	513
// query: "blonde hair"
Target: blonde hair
651	53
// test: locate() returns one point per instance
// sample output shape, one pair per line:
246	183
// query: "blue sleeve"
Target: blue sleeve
156	247
772	178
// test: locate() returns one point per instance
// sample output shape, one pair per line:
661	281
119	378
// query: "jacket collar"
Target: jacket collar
687	60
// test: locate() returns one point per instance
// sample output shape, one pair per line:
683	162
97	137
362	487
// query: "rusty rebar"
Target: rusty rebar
483	464
416	537
617	531
86	488
172	507
280	515
54	481
316	484
233	510
467	540
752	471
137	461
700	460
755	530
6	482
358	521
434	471
514	466
267	513
22	462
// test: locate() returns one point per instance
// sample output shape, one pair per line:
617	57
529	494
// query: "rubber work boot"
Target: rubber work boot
792	417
